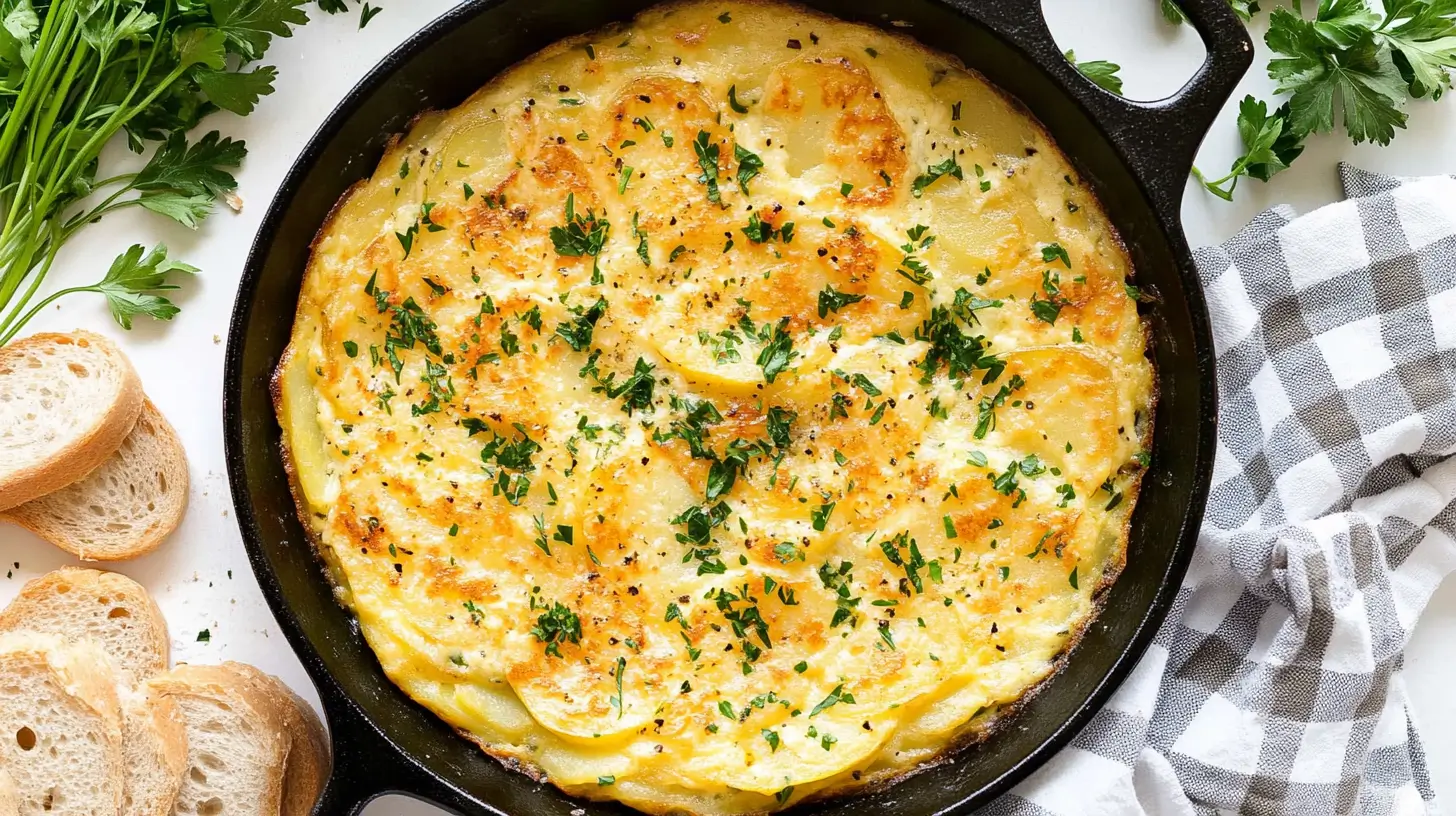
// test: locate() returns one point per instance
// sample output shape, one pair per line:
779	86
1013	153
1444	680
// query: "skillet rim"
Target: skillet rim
340	704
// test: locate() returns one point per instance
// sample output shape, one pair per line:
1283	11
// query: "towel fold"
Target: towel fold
1274	687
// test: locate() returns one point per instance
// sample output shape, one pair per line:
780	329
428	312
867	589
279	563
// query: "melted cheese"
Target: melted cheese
900	555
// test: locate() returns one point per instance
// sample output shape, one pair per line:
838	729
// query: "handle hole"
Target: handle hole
1157	57
395	805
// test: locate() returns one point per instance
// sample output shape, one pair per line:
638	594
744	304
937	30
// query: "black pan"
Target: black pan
1136	155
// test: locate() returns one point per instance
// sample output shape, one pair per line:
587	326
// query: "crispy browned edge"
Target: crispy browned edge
980	727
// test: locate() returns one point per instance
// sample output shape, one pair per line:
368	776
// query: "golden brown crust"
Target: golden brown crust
97	434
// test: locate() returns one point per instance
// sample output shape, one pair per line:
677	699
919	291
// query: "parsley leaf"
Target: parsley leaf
1335	57
777	353
934	173
577	332
1101	72
249	26
1269	147
708	160
236	91
832	300
749	165
131	283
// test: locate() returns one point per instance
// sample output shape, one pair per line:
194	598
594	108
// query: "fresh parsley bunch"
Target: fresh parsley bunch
74	74
1366	64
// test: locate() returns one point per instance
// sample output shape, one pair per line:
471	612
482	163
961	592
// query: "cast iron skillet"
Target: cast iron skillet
1136	155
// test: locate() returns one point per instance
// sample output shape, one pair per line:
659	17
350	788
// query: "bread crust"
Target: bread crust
93	442
25	613
52	517
237	686
309	755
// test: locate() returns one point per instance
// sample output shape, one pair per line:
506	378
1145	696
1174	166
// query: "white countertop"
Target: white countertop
201	576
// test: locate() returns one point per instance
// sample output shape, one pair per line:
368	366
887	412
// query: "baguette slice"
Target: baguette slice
237	741
309	757
62	724
9	796
107	607
66	402
126	507
154	747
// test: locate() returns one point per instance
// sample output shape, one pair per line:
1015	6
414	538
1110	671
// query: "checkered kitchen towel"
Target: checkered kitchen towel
1275	685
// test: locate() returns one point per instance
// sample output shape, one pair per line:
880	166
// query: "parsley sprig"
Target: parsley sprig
79	73
1350	58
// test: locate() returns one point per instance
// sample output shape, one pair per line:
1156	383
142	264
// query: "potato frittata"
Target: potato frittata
733	407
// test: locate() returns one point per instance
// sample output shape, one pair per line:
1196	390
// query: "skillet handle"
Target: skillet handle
1160	138
366	766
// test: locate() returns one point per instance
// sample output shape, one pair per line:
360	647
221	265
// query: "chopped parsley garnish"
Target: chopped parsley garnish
951	346
708	161
780	425
1055	252
738	107
577	332
832	300
760	231
838	580
772	738
912	268
909	560
749	165
1067	492
617	701
819	516
511	454
934	173
1046	310
407	239
986	419
635	391
582	235
408	326
555	626
837	696
745	621
777	353
698	527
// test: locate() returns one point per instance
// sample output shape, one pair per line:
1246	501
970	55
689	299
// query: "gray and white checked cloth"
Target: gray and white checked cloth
1275	685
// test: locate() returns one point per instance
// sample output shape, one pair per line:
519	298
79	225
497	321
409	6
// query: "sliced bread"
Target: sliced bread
9	796
62	725
309	758
126	507
107	607
154	747
66	402
237	741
